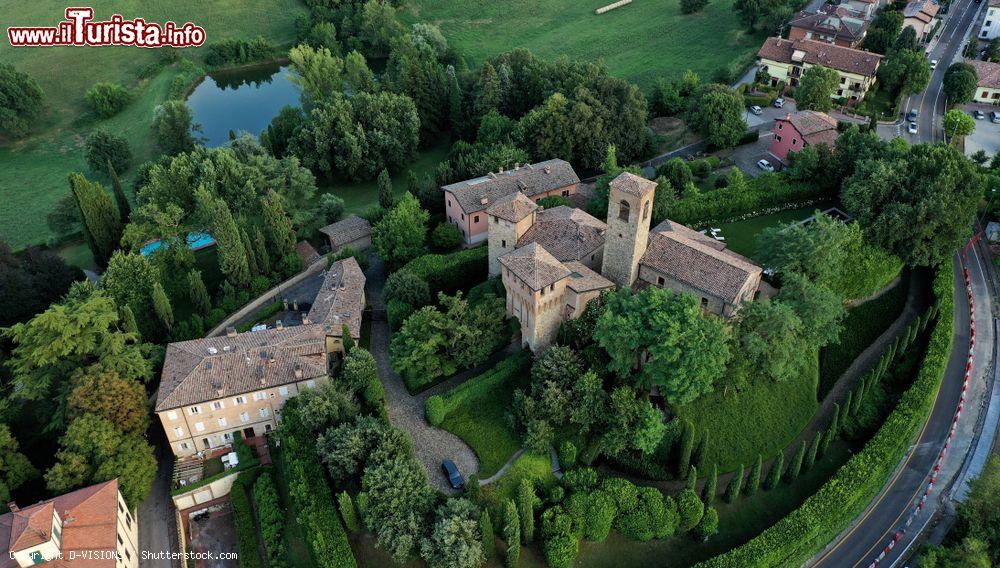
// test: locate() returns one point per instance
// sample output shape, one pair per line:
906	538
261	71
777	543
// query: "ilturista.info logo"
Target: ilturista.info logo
79	29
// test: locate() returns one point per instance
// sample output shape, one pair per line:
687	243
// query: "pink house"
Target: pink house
798	130
466	201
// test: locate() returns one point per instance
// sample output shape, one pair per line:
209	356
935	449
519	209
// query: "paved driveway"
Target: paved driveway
745	157
155	515
986	137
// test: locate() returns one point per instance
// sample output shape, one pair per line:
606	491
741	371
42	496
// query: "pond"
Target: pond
244	99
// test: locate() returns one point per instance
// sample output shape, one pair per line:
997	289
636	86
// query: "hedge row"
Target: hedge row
479	386
246	530
762	192
271	518
311	498
795	538
453	271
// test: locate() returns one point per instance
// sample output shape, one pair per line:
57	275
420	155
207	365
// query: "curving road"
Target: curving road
867	538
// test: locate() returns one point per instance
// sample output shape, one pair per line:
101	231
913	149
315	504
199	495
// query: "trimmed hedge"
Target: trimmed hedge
793	539
246	531
451	272
764	191
310	496
271	518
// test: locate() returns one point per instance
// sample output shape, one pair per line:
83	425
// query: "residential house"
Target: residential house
87	527
216	387
800	129
353	231
466	202
785	61
549	276
991	25
863	8
988	86
832	24
921	15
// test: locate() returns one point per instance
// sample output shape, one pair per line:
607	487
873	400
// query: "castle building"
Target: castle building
552	262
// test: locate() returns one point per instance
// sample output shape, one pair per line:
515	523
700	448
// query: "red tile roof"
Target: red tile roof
844	59
814	127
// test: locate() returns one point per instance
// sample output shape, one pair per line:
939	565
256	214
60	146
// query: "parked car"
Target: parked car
451	472
765	165
756	110
995	117
779	102
978	114
912	127
933	64
912	115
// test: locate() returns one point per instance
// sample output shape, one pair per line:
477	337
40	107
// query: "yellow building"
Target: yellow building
215	388
785	61
988	86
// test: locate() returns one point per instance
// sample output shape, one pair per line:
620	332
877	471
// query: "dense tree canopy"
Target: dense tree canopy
20	101
174	126
816	88
717	112
960	82
30	282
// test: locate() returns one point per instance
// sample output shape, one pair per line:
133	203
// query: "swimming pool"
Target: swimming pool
196	241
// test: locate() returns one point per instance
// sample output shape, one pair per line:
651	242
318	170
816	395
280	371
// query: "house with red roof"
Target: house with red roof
803	128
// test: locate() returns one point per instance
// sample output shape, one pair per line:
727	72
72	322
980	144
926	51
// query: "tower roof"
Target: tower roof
513	207
533	264
567	233
632	184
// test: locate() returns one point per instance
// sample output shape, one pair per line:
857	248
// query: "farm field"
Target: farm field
33	170
642	41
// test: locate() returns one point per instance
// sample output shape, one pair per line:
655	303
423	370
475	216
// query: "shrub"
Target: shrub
623	492
446	237
526	502
753	481
554	201
761	192
246	532
271	518
581	479
108	99
486	530
601	511
827	512
102	147
567	454
795	466
709	524
560	544
434	410
405	286
774	475
511	533
711	485
451	272
813	450
735	485
396	313
348	512
690	509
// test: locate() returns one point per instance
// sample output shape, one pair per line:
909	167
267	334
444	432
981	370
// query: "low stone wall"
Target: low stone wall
267	297
205	493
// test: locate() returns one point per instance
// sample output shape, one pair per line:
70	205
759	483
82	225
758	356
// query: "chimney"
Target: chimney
298	371
305	319
278	325
548	170
12	505
230	331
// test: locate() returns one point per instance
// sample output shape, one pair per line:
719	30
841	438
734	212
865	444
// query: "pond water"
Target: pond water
244	99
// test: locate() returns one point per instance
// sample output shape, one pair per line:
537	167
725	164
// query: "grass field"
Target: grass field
33	170
741	236
762	419
643	41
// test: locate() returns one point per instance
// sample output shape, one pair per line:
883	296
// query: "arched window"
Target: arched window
623	210
645	211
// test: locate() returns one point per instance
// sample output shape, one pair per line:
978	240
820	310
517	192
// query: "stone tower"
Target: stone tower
508	219
630	204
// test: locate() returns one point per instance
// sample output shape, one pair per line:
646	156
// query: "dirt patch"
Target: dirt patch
667	126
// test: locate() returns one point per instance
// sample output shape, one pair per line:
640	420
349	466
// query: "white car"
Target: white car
933	64
779	102
756	110
765	165
912	128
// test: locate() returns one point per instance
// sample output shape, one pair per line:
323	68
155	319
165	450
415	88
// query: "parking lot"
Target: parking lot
745	157
986	137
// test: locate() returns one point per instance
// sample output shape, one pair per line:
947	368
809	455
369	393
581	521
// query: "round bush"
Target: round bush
434	409
108	99
446	237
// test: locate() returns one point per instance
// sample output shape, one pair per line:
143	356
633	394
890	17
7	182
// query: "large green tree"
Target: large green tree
716	111
401	234
663	339
960	82
232	256
20	101
769	336
905	71
15	469
816	88
957	122
102	226
174	127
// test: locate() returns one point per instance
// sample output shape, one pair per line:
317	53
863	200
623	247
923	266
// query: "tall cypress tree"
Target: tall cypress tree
347	338
124	208
795	466
753	481
454	98
735	485
774	476
848	401
101	222
161	304
687	443
692	478
856	401
711	486
260	252
386	199
198	293
512	533
348	512
701	451
128	323
278	225
835	420
251	257
813	451
232	255
486	531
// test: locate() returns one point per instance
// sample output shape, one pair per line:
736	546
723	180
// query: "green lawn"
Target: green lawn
861	327
33	170
762	419
741	236
643	41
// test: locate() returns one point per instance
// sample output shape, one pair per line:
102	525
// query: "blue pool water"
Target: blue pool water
196	241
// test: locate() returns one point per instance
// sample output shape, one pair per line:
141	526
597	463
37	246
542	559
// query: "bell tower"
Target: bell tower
630	204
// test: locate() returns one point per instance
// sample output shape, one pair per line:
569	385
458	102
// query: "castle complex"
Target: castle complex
552	262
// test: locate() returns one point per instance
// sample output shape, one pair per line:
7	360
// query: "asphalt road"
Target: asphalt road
931	103
860	545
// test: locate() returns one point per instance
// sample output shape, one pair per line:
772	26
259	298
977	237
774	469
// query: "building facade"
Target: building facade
832	24
921	15
216	388
785	61
988	84
87	527
991	25
800	129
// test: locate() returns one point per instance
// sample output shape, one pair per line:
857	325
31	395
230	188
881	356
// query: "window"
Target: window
660	280
777	137
283	391
552	287
199	426
449	203
178	432
217	405
704	303
171	415
623	210
984	95
843	80
503	243
240	400
244	417
184	445
120	541
645	211
565	193
463	216
475	219
264	412
543	291
195	410
795	141
780	124
259	395
227	437
223	422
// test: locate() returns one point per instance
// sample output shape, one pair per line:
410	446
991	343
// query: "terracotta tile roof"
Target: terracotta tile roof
667	226
90	522
923	10
567	233
814	127
720	273
583	279
341	298
306	252
987	71
533	264
632	184
347	230
834	21
842	59
477	194
513	207
197	370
